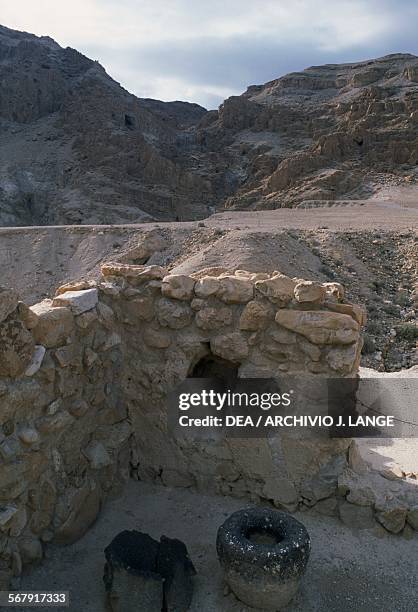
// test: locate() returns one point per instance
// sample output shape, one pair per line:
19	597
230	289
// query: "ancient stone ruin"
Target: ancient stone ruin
84	383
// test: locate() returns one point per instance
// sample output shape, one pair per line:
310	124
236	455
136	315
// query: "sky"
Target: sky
206	50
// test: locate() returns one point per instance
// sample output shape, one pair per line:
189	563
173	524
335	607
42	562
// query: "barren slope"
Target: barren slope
325	133
76	148
372	249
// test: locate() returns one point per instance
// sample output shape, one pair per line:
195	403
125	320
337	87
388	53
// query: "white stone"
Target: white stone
77	301
37	359
6	513
28	435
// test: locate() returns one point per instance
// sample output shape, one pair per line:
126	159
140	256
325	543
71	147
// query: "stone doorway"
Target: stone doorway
212	366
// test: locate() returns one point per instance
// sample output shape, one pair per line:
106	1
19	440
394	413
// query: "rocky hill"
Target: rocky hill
76	148
329	132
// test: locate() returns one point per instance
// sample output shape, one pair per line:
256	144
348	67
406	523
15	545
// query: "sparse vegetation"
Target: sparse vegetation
407	331
374	327
369	345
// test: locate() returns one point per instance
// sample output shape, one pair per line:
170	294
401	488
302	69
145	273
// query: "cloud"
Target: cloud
203	52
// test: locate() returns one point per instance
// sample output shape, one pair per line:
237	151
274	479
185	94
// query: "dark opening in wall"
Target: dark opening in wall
211	366
129	121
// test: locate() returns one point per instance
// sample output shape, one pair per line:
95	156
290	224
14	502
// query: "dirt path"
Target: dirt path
348	571
344	216
37	259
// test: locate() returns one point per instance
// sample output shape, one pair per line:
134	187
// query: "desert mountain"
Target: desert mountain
75	147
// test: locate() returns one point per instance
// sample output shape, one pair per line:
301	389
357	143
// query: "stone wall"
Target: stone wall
84	379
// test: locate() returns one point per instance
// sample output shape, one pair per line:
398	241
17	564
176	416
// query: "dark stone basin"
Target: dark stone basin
264	554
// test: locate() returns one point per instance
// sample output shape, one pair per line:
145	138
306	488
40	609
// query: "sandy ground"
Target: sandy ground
398	393
385	215
349	571
35	260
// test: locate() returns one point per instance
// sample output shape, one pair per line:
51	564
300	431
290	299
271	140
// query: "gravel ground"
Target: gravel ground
37	259
349	571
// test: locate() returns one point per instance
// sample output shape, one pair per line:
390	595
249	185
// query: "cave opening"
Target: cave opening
211	366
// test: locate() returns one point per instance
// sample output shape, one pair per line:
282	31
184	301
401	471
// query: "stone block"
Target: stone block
173	314
278	289
206	286
135	274
97	455
320	327
232	347
235	290
156	338
77	301
412	517
54	324
16	348
178	286
213	317
309	291
85	506
255	316
37	359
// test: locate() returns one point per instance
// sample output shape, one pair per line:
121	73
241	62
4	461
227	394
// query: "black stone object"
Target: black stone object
264	554
144	575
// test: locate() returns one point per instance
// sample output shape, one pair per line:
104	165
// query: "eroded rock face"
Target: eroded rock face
326	133
71	99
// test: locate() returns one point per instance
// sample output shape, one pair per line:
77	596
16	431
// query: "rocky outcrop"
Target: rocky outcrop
329	131
77	148
388	496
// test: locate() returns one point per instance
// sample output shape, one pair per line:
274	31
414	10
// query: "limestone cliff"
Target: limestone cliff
75	147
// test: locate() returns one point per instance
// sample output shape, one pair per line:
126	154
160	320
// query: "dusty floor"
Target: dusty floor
349	571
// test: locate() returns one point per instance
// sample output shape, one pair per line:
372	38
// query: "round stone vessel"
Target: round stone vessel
264	554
